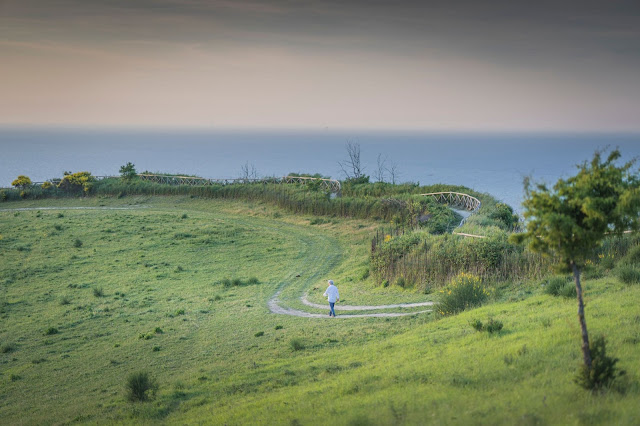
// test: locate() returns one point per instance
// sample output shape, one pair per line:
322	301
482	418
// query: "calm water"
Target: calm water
493	163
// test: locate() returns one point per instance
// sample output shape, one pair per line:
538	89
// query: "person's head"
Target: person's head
330	282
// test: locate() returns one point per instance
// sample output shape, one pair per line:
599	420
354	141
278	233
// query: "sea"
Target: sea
495	163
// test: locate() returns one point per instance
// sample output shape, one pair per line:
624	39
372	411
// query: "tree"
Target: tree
352	167
128	171
569	221
22	182
379	174
394	173
248	171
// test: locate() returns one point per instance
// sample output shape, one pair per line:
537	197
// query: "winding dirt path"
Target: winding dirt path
365	307
275	308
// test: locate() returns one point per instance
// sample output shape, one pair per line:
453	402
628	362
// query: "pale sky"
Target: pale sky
441	65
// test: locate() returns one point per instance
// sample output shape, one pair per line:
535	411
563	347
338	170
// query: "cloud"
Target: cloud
406	63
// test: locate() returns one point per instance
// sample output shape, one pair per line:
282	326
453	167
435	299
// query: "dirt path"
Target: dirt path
275	308
364	307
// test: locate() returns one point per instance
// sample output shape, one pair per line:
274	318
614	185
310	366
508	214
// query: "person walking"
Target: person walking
332	296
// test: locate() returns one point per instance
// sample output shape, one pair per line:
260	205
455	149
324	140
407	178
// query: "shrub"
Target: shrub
493	326
140	387
180	312
477	325
128	172
279	327
569	291
184	216
22	182
463	292
7	348
46	185
98	292
77	243
555	286
296	344
603	369
628	274
632	257
77	182
156	348
65	300
158	330
253	281
259	334
51	331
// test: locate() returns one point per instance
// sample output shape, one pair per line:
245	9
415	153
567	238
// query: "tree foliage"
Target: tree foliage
22	182
128	171
570	220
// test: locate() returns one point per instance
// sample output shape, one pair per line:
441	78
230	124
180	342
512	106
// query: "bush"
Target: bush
632	257
128	172
259	334
628	274
7	348
65	300
296	344
22	182
98	292
51	331
477	325
555	286
463	292
77	243
77	182
140	387
493	326
603	368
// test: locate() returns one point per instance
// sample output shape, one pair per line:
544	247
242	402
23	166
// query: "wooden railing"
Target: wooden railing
456	199
327	184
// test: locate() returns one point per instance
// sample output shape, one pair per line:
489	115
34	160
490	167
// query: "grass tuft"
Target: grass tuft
140	387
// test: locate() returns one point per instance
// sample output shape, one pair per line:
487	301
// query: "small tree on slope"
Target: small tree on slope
570	220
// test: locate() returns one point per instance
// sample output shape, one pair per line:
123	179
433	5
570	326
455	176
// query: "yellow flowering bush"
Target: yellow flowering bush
76	182
463	292
22	182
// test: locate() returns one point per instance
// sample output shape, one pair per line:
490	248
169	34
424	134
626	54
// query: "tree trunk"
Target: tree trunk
586	352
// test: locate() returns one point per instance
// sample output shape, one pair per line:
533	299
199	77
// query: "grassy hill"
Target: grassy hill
178	287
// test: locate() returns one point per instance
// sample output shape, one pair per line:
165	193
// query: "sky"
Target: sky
493	65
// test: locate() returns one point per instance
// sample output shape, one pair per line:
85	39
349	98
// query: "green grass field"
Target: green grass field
89	296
